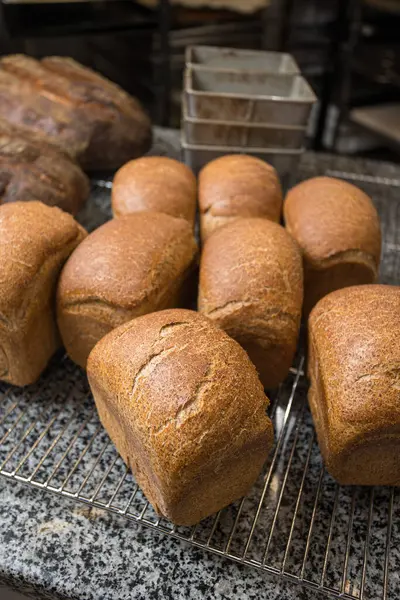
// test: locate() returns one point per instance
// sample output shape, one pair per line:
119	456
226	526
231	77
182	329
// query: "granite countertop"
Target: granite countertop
51	547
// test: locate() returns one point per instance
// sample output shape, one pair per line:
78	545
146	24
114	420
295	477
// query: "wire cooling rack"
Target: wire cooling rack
296	522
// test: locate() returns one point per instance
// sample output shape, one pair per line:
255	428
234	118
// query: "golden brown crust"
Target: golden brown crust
155	183
354	369
35	241
235	186
183	404
128	267
251	284
87	115
337	228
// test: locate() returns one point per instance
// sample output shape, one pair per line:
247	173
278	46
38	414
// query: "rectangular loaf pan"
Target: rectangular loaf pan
247	135
197	155
233	59
249	97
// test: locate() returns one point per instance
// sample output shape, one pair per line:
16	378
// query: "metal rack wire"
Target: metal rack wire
296	522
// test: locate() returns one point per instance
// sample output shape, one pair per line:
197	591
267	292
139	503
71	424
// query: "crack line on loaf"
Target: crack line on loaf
380	371
234	304
265	317
171	328
188	407
5	321
148	367
351	254
207	210
157	357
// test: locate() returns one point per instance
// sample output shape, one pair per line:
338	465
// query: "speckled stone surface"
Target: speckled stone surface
60	549
52	547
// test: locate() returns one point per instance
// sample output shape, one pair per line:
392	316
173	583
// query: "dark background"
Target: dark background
349	50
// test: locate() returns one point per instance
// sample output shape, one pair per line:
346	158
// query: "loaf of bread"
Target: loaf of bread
251	285
354	369
128	267
87	115
33	169
236	186
185	408
155	183
35	241
337	228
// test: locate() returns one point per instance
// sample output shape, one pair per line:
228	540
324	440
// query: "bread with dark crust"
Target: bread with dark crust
354	370
337	228
31	168
185	408
128	267
155	183
35	241
87	115
251	285
237	185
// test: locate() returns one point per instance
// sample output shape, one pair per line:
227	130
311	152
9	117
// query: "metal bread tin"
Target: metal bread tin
233	59
248	97
246	135
196	156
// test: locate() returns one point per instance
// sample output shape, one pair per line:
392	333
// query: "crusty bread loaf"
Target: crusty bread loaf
234	186
90	117
251	285
337	228
31	168
155	183
35	241
127	267
354	369
184	406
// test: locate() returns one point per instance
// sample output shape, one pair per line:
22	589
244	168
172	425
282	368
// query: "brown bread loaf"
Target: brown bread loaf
33	169
354	370
236	186
127	267
337	228
184	406
35	241
155	183
251	285
87	115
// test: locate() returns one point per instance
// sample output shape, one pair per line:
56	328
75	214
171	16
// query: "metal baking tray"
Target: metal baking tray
246	135
248	97
233	59
284	161
296	523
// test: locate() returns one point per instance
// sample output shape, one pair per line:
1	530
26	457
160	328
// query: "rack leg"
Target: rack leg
164	16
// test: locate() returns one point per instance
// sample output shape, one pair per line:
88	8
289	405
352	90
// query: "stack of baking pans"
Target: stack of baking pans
244	101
